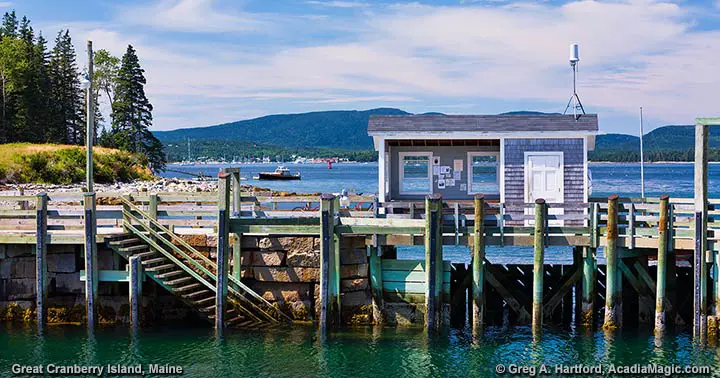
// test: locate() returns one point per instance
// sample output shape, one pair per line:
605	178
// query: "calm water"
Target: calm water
361	352
364	352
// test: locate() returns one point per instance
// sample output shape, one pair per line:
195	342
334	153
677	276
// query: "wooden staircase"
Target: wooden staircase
188	274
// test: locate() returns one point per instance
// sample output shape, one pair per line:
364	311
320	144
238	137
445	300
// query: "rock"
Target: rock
19	267
61	263
68	283
303	259
288	292
21	288
356	284
286	274
353	256
263	258
294	244
17	250
354	271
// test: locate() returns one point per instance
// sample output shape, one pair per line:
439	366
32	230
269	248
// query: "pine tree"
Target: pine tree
65	88
44	91
132	113
9	25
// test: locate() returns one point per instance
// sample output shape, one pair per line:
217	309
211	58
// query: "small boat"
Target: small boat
281	173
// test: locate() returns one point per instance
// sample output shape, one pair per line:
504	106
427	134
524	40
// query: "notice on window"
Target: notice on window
449	182
456	175
437	170
441	184
458	165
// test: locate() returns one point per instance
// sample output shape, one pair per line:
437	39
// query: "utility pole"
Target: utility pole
642	159
89	133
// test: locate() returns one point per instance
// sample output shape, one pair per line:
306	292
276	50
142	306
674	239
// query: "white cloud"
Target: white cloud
339	4
5	4
191	16
633	53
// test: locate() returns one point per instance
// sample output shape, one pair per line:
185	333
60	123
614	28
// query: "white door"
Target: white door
544	179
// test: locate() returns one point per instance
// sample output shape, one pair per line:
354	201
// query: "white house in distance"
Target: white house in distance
510	158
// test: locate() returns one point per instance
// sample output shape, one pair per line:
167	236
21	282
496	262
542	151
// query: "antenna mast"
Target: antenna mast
574	102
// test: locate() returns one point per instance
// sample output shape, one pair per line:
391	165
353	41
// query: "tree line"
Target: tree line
43	101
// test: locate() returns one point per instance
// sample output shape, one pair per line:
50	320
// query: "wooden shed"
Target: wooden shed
510	158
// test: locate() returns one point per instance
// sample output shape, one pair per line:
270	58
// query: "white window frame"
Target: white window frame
401	171
470	155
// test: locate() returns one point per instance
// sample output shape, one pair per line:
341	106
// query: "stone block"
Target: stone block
212	240
21	267
18	250
286	274
353	256
295	244
21	288
295	259
3	252
356	284
67	283
194	240
355	298
287	292
266	258
404	314
354	271
61	248
61	263
105	260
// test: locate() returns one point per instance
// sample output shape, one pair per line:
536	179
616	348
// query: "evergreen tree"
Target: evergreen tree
132	113
67	104
9	25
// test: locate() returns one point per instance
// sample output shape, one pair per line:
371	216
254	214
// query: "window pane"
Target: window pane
416	173
484	174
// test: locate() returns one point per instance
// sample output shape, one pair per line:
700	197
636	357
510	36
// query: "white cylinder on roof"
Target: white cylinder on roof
574	53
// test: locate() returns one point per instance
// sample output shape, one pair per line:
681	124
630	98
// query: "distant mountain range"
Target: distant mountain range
347	131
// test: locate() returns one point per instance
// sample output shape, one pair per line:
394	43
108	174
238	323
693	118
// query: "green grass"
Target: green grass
22	163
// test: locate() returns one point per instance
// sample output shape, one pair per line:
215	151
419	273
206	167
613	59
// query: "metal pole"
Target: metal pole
642	159
89	132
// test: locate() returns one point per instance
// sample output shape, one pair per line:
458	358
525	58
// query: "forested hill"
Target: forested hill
328	131
331	129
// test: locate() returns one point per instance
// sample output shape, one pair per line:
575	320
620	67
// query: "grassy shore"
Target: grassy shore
62	164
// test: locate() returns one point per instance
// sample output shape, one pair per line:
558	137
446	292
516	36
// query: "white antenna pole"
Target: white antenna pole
642	159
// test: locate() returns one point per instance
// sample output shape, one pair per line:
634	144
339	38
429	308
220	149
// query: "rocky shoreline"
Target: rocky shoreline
164	185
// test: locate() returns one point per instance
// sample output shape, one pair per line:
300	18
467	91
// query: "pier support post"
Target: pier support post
329	309
538	266
91	281
41	261
376	285
701	208
590	268
660	316
237	240
478	265
136	275
223	246
613	295
433	261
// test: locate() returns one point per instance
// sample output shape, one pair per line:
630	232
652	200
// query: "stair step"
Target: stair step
204	300
158	268
169	274
236	319
195	294
154	261
119	243
188	287
134	248
208	309
178	281
145	254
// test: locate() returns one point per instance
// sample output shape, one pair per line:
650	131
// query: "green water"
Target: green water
361	352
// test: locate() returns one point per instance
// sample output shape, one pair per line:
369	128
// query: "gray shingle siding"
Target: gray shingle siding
573	172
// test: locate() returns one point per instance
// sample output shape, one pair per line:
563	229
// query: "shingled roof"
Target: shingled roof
481	123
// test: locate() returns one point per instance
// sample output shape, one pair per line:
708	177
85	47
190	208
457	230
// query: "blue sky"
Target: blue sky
209	62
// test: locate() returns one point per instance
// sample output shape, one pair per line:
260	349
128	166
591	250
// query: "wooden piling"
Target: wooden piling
478	265
538	266
660	316
41	201
701	209
91	272
433	261
237	240
136	275
329	310
376	285
613	295
590	269
223	246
